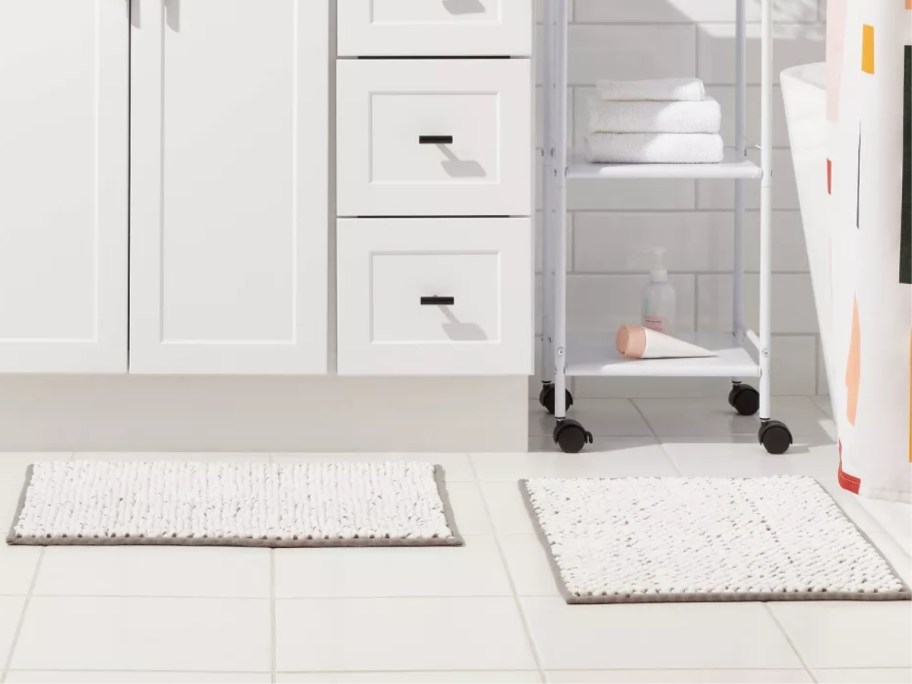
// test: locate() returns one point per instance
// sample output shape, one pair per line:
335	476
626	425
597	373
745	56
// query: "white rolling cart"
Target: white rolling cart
566	356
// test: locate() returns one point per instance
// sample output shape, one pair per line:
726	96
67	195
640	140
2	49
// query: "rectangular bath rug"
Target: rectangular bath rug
630	540
234	504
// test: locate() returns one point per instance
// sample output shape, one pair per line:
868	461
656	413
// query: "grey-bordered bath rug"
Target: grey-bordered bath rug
306	504
640	540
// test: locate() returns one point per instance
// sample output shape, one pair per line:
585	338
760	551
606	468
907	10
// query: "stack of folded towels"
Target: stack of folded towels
667	121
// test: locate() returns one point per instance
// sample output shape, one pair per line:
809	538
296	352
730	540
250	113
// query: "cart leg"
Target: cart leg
774	435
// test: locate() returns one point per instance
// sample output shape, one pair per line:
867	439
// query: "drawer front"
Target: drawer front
435	27
435	296
434	138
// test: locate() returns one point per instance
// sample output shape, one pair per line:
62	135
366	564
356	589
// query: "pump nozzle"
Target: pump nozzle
658	273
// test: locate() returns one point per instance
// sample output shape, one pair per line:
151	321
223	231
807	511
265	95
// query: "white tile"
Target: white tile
793	309
847	634
475	569
529	566
77	633
698	241
605	302
793	44
894	516
725	94
154	571
603	417
824	404
400	634
867	675
715	194
656	636
705	417
627	195
128	677
630	52
445	677
686	11
17	563
10	612
468	508
455	466
609	457
506	507
677	676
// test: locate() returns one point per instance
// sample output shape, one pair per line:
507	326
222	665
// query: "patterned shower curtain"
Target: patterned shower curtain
868	333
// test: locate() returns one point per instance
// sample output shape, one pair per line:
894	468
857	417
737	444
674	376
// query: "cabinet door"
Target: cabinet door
229	223
64	68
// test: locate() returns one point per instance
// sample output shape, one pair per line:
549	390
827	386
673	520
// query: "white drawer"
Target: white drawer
434	27
434	137
435	296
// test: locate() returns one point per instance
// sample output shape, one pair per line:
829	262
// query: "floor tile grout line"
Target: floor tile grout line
503	559
655	435
25	605
272	617
788	638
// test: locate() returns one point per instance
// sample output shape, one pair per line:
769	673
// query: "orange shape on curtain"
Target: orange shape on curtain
853	367
867	49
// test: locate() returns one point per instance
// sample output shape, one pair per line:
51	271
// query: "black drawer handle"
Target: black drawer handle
435	139
438	301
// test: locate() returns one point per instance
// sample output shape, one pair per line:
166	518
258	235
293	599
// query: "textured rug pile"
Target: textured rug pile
632	540
234	504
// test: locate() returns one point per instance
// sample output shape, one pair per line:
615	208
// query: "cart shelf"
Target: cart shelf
594	354
732	167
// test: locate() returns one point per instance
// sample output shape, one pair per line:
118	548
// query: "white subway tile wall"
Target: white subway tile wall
614	224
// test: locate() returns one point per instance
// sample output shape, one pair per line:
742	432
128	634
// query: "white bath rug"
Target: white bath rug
631	540
234	504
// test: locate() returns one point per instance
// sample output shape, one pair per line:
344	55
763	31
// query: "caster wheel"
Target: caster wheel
571	436
775	437
546	398
744	399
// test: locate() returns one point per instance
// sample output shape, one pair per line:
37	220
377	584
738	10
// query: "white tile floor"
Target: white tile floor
488	612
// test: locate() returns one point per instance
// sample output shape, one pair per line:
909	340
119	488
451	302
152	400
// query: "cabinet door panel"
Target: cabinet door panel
64	68
230	164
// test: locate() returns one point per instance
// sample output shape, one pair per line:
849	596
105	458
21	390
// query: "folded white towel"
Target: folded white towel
658	89
654	148
645	116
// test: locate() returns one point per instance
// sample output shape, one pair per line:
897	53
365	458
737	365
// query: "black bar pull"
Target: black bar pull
438	301
435	139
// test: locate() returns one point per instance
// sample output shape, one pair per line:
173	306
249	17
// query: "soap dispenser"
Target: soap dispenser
659	298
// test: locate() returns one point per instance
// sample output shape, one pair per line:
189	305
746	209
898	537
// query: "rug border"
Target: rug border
903	595
439	475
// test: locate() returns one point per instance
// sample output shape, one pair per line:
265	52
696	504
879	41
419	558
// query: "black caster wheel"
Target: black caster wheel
775	437
571	436
744	399
546	397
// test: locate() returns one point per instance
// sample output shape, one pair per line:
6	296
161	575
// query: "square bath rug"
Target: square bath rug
630	540
234	504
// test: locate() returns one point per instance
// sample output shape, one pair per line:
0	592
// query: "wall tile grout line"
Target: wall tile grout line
530	639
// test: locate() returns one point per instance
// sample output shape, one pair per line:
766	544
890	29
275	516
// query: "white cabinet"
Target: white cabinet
63	185
435	27
229	189
435	296
421	137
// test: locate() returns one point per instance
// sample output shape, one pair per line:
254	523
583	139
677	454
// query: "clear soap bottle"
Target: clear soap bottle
659	298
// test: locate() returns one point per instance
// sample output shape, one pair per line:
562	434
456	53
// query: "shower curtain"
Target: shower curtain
868	347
